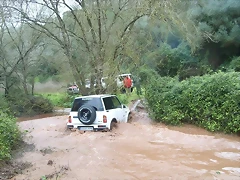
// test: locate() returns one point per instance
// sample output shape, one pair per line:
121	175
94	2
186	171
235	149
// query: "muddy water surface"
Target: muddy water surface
137	150
57	112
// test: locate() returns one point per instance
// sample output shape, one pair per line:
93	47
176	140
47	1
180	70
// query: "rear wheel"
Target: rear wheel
113	125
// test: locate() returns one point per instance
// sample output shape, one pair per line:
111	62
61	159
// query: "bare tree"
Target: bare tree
17	43
98	30
7	65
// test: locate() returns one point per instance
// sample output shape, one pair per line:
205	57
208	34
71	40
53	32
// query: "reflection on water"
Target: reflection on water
229	155
233	170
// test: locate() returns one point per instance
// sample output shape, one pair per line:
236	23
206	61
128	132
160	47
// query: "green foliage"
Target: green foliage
168	61
65	100
198	23
45	70
9	135
40	104
43	178
126	99
60	99
163	60
123	98
235	64
222	34
210	101
225	29
145	74
4	105
29	105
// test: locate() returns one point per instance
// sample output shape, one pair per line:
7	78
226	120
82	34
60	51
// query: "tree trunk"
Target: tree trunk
32	85
25	86
99	74
6	88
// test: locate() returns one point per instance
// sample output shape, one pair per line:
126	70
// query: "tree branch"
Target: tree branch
127	29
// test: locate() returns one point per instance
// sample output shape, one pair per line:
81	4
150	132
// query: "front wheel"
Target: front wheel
129	118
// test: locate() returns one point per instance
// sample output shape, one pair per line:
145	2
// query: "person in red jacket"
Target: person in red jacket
127	82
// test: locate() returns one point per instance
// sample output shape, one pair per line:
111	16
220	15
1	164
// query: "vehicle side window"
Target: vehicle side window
116	102
108	103
121	78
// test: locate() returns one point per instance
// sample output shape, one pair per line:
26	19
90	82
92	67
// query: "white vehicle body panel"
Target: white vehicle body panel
119	80
119	114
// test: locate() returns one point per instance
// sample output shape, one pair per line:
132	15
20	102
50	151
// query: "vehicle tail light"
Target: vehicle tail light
69	119
104	119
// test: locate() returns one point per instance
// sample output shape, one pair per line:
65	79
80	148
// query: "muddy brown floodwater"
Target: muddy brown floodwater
136	150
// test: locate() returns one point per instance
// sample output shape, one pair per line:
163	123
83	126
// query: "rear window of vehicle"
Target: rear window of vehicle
95	102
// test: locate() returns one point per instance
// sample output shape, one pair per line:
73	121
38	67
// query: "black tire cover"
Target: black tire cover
86	114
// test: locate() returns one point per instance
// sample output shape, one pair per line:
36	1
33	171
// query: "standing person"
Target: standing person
127	82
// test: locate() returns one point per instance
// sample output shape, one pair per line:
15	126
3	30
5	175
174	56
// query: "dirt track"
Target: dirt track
139	150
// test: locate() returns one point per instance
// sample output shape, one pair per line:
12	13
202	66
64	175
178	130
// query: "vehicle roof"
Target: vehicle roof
127	74
124	74
95	96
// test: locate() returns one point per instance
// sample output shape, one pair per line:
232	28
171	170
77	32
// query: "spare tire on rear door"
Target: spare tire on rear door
86	114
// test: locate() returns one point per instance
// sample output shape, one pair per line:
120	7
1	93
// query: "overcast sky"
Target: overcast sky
35	8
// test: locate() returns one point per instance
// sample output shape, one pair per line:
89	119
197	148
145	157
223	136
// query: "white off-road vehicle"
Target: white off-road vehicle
119	80
97	112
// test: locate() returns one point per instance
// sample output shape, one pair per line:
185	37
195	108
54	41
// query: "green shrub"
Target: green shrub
39	104
123	98
9	135
65	100
235	64
210	101
146	74
126	99
29	105
60	99
4	106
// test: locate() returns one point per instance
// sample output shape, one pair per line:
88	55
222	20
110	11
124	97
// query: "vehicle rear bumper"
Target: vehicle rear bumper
94	127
